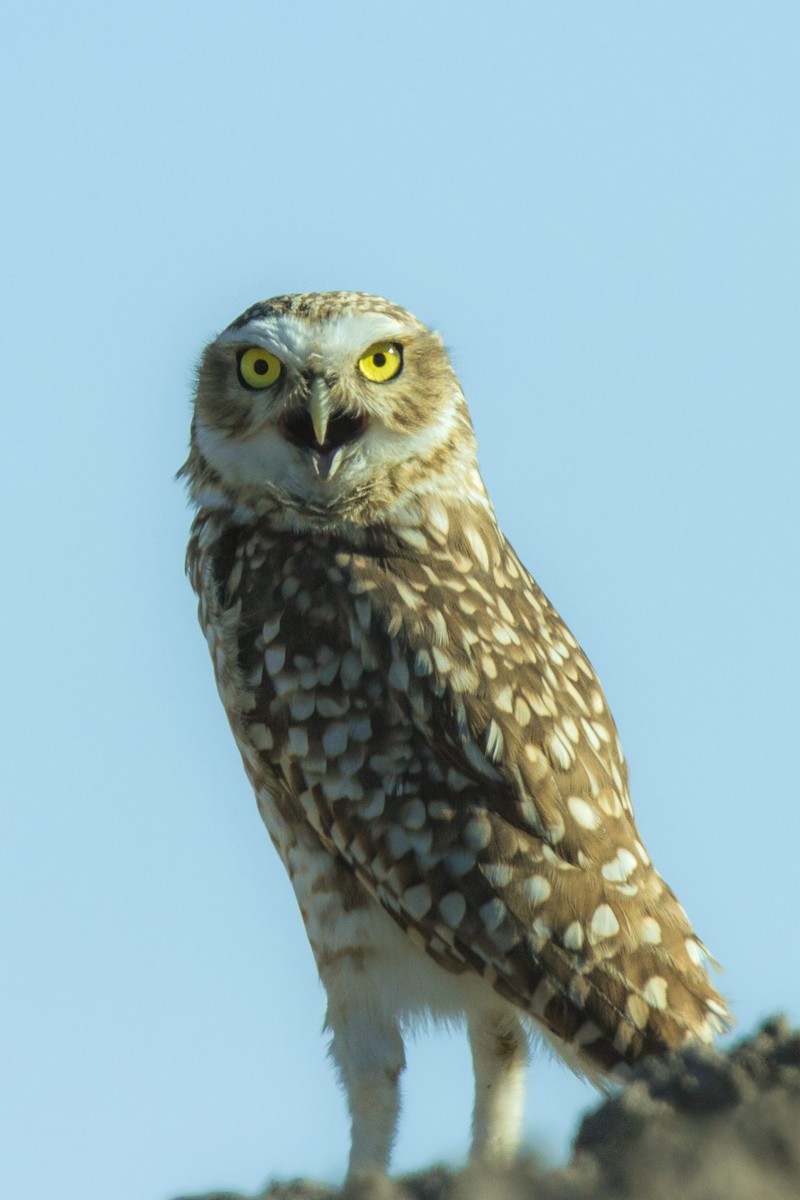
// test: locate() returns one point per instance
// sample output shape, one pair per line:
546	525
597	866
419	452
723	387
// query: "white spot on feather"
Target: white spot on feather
274	659
497	874
334	739
270	630
298	740
583	813
452	908
604	923
492	914
494	740
573	936
417	900
655	992
537	889
478	546
620	867
650	931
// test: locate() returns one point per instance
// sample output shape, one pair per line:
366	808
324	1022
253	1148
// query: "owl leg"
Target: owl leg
368	1052
499	1055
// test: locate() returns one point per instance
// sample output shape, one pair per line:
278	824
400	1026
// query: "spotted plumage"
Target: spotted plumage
430	749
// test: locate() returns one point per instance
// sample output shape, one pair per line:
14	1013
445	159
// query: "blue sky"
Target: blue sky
597	205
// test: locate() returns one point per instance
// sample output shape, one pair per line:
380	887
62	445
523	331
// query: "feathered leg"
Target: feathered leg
500	1056
368	1052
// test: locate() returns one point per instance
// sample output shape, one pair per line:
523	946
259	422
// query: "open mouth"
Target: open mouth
343	427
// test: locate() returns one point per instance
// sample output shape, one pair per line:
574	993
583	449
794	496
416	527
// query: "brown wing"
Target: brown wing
505	832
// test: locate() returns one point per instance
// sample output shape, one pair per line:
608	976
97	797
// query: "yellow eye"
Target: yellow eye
258	368
381	362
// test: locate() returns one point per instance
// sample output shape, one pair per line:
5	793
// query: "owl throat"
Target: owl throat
410	498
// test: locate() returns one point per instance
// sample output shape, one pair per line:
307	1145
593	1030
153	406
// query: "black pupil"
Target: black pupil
261	366
379	359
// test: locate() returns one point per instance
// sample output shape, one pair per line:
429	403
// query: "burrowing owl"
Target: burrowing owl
431	751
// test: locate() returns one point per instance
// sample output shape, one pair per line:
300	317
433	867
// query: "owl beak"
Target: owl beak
319	408
322	429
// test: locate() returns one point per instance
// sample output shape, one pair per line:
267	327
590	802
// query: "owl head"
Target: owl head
329	408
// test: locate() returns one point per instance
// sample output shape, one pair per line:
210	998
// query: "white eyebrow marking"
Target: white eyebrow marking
338	341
